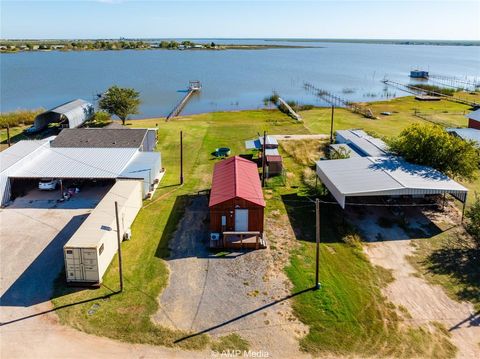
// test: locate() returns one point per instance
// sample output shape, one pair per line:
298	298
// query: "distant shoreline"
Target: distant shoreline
15	46
388	42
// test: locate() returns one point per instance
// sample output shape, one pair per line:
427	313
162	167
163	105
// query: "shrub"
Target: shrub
473	225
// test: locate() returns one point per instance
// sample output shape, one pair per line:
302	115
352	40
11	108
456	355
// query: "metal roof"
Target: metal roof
77	112
100	137
76	163
383	176
362	142
350	150
102	219
474	115
236	177
18	151
468	134
257	143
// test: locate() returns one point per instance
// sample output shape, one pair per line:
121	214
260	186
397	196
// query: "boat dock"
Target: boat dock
193	88
429	93
290	110
337	101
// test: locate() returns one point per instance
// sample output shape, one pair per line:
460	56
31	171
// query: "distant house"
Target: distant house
474	119
274	160
236	205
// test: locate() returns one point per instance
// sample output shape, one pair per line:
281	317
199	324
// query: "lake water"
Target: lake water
232	79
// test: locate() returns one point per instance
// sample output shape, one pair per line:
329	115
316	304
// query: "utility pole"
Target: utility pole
181	157
119	241
264	159
331	125
317	212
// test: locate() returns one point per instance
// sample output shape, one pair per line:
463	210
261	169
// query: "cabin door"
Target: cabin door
241	220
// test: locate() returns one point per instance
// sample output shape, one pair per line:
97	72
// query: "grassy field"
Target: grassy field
349	315
403	114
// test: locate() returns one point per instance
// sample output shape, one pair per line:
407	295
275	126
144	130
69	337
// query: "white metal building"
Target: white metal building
37	160
384	176
91	249
362	143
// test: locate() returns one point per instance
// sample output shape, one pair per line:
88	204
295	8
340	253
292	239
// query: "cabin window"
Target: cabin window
69	251
100	250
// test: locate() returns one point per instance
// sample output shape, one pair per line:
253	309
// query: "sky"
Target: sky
387	19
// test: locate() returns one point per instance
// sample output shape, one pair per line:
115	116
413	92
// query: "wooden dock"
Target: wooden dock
290	110
193	88
337	101
420	91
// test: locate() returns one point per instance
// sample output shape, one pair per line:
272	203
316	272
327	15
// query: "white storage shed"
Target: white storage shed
91	249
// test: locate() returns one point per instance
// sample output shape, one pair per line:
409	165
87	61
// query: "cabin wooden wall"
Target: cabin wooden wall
227	208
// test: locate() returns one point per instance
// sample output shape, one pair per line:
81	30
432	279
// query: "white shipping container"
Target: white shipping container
91	249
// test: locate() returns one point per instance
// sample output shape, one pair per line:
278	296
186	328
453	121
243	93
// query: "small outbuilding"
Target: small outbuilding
474	119
236	205
70	115
274	161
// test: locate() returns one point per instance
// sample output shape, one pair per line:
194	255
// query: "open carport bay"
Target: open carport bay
26	194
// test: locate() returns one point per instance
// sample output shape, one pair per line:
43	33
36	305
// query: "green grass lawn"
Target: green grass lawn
349	314
402	109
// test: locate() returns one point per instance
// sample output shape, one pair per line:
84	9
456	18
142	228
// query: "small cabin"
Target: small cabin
236	205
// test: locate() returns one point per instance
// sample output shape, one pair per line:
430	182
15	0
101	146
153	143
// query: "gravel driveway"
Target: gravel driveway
240	292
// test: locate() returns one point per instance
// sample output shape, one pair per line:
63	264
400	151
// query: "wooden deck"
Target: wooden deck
240	240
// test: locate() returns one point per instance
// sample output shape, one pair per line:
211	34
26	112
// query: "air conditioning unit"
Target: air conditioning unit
214	236
127	235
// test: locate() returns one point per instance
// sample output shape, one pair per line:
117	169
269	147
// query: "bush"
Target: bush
431	145
18	118
473	225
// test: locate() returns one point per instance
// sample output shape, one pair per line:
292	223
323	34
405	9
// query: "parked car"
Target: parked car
48	184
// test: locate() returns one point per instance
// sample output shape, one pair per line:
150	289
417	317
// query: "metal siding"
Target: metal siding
100	226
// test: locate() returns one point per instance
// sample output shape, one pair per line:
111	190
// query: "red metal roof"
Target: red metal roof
236	177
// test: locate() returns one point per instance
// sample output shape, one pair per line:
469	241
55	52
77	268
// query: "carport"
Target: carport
384	176
71	114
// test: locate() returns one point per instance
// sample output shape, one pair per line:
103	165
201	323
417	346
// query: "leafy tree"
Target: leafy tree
120	102
164	44
431	145
473	225
339	154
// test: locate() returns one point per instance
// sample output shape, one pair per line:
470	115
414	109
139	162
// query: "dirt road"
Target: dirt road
30	260
240	292
425	302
